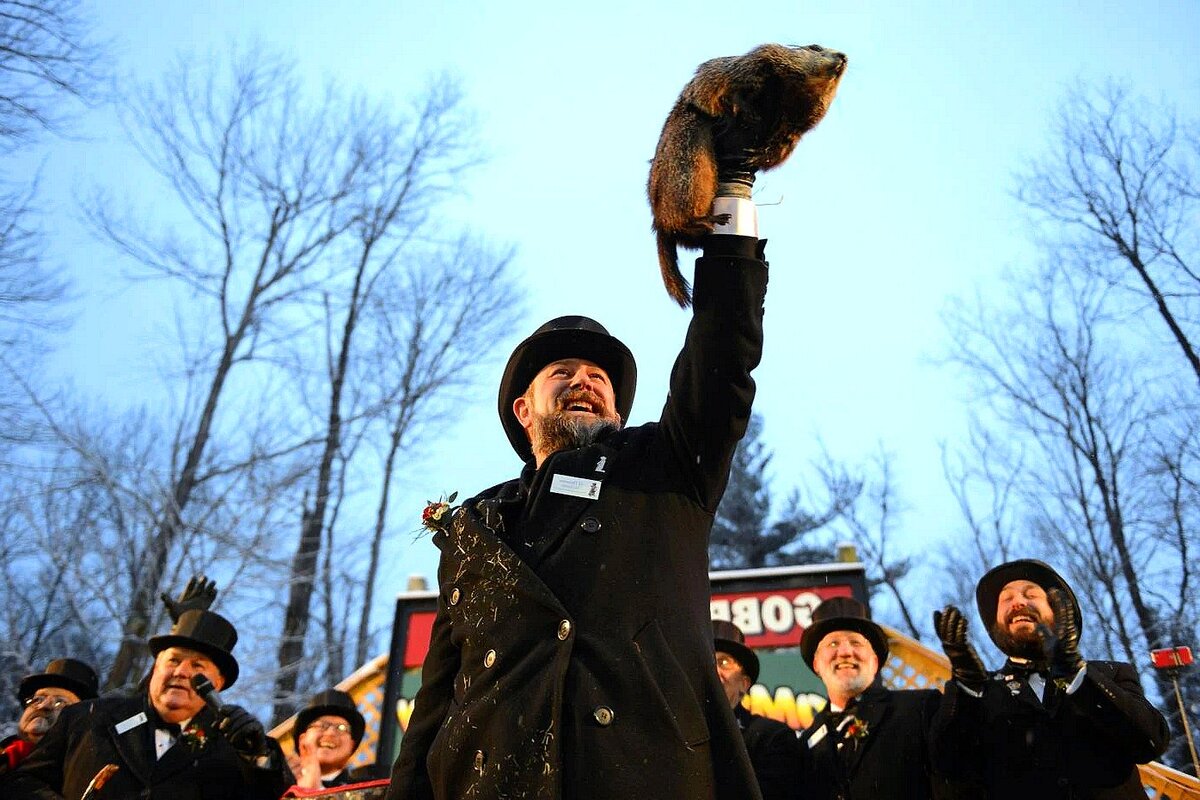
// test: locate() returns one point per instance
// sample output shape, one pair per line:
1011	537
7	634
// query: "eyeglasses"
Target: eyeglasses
54	701
727	662
340	727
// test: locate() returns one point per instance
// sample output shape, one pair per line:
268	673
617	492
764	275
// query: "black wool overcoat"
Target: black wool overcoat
774	754
1082	745
583	667
85	738
890	762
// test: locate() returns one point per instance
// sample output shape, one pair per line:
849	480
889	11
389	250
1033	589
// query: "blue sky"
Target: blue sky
899	202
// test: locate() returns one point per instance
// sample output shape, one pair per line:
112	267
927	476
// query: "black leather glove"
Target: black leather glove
733	143
1060	646
965	665
242	730
199	593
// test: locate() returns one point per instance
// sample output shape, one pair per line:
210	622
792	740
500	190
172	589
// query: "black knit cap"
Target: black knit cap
842	614
63	673
206	632
987	592
333	703
728	638
564	337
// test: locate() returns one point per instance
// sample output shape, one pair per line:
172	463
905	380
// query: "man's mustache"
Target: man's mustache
1023	611
581	396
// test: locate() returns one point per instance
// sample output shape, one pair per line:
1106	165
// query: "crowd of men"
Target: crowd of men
572	655
174	736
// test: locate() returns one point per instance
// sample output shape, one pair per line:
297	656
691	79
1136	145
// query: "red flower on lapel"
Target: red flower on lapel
194	736
435	515
856	729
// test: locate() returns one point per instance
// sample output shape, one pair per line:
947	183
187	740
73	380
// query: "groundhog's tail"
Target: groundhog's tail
668	262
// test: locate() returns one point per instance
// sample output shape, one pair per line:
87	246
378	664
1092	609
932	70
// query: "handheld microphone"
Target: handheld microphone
204	687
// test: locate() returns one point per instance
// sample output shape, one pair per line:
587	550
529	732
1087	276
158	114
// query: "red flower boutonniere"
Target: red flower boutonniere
194	737
436	513
856	729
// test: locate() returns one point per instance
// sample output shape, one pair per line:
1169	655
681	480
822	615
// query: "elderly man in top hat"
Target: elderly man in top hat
43	696
327	733
869	742
571	656
1048	724
773	748
166	742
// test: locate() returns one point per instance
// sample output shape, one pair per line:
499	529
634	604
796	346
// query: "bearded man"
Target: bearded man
869	742
572	654
1048	725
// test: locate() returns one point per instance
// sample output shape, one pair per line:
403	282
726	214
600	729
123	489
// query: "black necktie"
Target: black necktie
170	727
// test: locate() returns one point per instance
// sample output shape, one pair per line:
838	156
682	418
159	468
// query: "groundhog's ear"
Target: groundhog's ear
709	90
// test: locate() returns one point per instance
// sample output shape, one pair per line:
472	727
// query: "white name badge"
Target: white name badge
131	723
575	487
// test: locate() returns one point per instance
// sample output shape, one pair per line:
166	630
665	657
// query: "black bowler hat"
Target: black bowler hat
63	673
206	632
334	703
842	614
987	592
728	638
564	337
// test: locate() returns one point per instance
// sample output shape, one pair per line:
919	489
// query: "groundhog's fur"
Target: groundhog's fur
775	92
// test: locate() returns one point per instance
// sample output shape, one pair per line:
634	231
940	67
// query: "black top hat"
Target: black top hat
842	614
63	673
564	337
335	703
207	632
987	593
728	638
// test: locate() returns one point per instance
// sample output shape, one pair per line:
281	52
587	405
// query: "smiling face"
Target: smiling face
41	710
171	682
567	405
1020	607
328	739
846	663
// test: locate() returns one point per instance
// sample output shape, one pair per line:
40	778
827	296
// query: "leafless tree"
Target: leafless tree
871	523
412	164
1120	189
263	179
47	53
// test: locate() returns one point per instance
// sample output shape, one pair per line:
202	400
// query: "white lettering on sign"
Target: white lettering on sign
776	613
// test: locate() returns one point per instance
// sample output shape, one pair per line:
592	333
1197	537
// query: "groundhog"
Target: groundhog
773	95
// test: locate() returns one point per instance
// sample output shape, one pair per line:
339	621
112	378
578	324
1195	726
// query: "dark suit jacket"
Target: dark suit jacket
890	762
774	753
583	666
1083	745
85	739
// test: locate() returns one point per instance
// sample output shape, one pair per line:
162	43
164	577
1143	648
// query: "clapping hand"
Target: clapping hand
965	665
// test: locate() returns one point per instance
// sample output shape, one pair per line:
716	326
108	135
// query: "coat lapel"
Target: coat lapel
136	744
555	511
873	708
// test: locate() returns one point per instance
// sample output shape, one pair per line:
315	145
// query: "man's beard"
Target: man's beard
1026	645
559	430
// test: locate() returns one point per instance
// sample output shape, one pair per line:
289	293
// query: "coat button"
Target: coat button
480	760
489	658
590	524
455	595
564	629
604	715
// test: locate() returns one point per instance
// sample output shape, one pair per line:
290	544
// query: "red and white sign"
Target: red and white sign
773	618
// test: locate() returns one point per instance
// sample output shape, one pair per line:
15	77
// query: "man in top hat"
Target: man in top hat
571	654
43	696
1048	724
166	742
869	742
327	733
773	748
